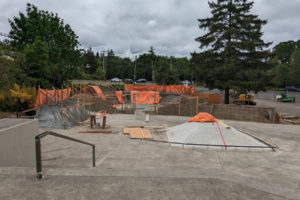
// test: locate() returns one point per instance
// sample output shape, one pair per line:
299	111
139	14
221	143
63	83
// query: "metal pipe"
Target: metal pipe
212	145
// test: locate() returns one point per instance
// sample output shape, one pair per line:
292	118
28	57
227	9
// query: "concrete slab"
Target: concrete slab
17	147
135	169
6	123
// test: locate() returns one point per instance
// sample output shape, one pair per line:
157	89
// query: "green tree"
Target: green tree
36	64
284	51
234	55
295	68
282	76
166	74
63	56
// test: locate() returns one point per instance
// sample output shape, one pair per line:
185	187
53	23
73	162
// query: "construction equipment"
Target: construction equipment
284	97
244	98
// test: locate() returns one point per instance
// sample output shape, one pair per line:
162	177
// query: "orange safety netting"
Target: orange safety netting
119	95
203	117
148	97
211	98
96	90
162	88
51	96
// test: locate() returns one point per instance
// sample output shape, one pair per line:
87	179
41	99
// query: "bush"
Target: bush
17	99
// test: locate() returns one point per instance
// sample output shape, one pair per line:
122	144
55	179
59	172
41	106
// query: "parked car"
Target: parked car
128	81
186	83
292	89
141	80
116	80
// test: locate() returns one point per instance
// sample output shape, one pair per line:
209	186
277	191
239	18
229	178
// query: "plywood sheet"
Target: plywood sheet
136	133
126	130
147	134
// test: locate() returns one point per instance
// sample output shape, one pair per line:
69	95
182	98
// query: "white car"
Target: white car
186	83
115	80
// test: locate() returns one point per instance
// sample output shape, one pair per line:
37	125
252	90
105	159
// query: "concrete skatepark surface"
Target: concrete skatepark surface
138	169
208	133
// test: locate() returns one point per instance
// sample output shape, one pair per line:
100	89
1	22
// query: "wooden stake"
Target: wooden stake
46	96
179	113
62	93
39	96
197	105
104	122
212	107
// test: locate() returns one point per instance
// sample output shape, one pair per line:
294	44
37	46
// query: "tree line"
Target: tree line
44	51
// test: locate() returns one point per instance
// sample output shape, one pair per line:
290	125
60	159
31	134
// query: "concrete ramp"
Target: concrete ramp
209	135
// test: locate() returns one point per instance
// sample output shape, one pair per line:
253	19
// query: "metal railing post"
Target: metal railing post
38	153
94	156
38	158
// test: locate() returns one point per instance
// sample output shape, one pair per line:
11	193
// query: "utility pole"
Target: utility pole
134	72
104	63
153	72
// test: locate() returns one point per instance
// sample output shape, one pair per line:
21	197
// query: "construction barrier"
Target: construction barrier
211	98
145	97
95	90
51	96
138	97
179	89
119	95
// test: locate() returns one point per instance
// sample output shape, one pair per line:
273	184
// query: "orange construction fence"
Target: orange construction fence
95	90
147	97
119	95
179	89
51	96
211	98
138	97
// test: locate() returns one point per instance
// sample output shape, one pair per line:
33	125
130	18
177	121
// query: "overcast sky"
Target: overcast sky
130	27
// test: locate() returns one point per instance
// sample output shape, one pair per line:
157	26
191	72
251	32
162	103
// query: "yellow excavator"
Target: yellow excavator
243	98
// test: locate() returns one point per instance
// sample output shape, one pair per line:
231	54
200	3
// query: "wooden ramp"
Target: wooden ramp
137	133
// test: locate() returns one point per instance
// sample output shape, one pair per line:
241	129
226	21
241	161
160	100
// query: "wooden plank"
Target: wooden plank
66	114
223	124
169	103
147	134
136	133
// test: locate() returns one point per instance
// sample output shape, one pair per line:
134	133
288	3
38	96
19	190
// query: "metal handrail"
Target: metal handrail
38	149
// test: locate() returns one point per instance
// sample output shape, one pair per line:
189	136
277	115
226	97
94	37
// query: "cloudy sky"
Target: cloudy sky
130	27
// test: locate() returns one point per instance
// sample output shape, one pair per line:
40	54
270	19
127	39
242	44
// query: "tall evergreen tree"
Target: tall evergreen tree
234	54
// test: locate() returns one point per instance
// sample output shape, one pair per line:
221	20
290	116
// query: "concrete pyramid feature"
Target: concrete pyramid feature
208	134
